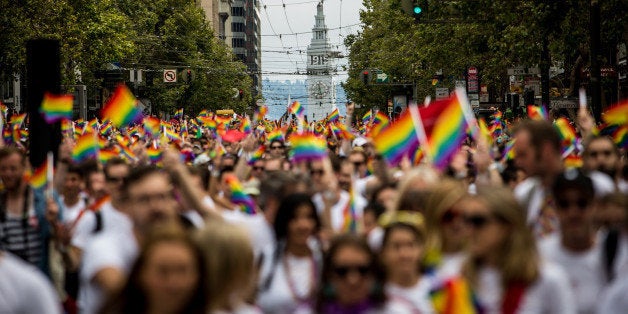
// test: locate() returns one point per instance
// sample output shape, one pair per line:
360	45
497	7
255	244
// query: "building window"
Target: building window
237	11
241	57
237	42
237	27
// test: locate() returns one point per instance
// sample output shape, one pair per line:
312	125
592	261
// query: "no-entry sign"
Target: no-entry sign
170	76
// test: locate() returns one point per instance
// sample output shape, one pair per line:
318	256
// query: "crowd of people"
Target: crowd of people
343	233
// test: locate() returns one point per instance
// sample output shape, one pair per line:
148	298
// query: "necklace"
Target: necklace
313	275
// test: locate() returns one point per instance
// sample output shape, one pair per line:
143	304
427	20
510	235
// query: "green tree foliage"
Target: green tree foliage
492	35
136	34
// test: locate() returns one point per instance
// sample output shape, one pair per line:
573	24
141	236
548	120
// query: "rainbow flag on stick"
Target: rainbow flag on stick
397	140
296	109
307	146
178	114
537	112
86	147
257	155
56	107
238	197
121	109
39	178
455	297
333	116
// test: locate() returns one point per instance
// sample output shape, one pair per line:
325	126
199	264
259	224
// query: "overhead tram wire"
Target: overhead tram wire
296	37
273	29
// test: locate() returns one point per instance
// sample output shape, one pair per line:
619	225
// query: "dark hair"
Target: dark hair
380	188
132	297
10	150
276	184
115	161
286	213
416	232
75	169
540	131
137	174
203	173
573	179
376	208
325	294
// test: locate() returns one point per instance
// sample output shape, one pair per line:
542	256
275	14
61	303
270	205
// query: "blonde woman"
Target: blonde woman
230	270
503	267
445	240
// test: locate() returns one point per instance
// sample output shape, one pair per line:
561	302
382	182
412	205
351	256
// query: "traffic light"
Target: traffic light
419	9
188	74
366	77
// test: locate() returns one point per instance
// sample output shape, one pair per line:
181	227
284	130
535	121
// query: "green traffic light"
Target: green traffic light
417	10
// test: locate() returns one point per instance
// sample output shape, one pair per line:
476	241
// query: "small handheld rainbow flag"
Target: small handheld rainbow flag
448	131
307	146
257	155
245	126
380	121
154	154
618	114
178	114
333	116
397	140
121	108
56	107
620	136
260	113
238	197
350	220
39	178
296	109
86	147
366	118
455	297
537	112
276	134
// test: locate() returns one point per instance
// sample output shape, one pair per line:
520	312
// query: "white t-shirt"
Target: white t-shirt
260	232
549	294
417	295
24	289
113	220
279	297
109	249
615	298
71	212
585	270
337	211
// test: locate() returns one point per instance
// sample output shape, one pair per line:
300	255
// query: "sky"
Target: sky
287	30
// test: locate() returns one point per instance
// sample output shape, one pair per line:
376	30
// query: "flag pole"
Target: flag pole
420	131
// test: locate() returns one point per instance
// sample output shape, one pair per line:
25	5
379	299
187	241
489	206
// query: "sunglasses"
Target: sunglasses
317	172
580	203
477	221
258	168
358	163
343	271
114	179
276	147
595	153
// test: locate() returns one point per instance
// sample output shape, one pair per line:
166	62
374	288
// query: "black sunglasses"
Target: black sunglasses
276	147
594	153
343	271
258	168
114	179
580	203
317	172
477	221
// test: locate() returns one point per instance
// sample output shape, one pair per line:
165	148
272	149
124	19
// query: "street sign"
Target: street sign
442	93
170	76
472	71
382	77
516	71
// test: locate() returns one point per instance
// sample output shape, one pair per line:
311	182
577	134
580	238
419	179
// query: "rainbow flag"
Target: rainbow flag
238	197
154	154
121	109
509	152
105	155
38	179
567	132
341	131
276	134
56	107
397	140
106	128
537	112
307	146
171	134
296	109
17	119
449	125
380	121
257	155
350	223
3	110
454	296
152	126
366	118
620	136
617	114
245	125
333	116
260	113
573	161
178	114
86	147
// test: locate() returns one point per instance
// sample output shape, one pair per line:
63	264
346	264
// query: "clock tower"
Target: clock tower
320	84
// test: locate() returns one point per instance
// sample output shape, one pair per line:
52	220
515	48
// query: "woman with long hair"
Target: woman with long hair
401	254
352	281
166	277
503	268
230	279
290	282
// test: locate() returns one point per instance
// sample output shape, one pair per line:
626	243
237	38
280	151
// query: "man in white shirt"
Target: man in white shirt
109	257
577	247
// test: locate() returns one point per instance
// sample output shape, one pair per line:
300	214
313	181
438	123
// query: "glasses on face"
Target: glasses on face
449	216
595	153
580	203
258	168
477	221
314	172
358	163
344	270
276	147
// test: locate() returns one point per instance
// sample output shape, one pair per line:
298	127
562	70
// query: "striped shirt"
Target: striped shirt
21	237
